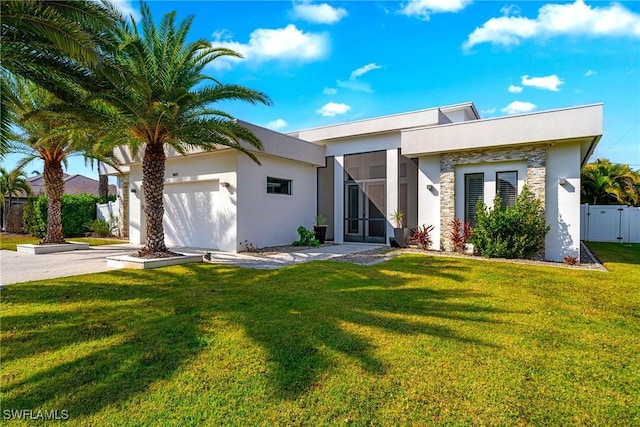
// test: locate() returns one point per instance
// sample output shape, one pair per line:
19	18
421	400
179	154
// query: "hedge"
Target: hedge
77	211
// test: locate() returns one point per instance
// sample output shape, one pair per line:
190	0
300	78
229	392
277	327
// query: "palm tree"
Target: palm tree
167	102
57	44
606	183
12	184
53	136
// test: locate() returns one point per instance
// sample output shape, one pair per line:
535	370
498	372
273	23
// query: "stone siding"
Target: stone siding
535	156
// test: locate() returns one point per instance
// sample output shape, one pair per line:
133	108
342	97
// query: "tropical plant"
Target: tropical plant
319	220
12	184
55	43
422	236
510	231
168	103
306	237
606	183
51	135
460	234
398	218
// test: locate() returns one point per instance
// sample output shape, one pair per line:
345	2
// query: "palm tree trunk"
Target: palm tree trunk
153	165
54	188
103	185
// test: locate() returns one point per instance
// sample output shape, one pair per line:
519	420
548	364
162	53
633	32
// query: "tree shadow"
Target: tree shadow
110	336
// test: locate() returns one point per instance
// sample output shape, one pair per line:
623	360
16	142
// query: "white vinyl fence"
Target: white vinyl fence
110	212
613	223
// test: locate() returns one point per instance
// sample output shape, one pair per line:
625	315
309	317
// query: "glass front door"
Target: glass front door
364	211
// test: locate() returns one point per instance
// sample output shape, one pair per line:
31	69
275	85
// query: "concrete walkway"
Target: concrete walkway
18	267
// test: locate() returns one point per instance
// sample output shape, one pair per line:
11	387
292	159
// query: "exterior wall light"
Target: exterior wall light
562	181
225	184
429	187
133	190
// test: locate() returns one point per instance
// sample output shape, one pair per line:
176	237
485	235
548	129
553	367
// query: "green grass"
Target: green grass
10	241
413	341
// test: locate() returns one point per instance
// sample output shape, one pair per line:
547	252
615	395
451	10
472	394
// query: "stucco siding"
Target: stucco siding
266	219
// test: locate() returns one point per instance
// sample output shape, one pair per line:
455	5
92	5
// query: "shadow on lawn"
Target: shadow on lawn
125	330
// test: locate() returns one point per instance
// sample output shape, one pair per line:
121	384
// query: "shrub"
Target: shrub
513	231
460	234
306	237
571	260
77	211
421	237
100	227
34	216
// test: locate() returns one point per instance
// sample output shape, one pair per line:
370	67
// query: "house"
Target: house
432	164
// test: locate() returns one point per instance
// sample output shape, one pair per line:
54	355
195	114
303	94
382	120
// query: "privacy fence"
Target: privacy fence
610	223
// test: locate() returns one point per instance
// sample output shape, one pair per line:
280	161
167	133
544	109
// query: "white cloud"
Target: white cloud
317	13
548	82
489	111
518	107
329	90
126	9
515	89
265	44
424	8
356	85
362	70
590	73
332	109
558	19
277	124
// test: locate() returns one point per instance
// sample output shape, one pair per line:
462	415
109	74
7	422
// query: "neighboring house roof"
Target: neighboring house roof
73	184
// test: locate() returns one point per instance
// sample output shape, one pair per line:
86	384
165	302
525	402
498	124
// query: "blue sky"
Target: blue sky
324	63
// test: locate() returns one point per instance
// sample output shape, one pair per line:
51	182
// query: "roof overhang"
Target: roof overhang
581	124
273	143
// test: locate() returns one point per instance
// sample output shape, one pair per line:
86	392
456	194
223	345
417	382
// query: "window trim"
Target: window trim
289	186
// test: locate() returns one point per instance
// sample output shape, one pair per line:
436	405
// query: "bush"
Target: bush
513	231
307	238
100	227
34	216
77	211
421	237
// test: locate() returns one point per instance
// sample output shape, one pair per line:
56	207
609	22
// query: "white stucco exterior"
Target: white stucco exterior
218	200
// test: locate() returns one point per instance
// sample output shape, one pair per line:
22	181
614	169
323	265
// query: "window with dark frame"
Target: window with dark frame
507	186
473	191
278	185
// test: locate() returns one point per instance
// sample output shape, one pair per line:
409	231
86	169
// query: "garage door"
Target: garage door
195	215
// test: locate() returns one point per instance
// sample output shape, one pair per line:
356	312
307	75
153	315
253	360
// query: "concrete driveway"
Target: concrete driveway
19	267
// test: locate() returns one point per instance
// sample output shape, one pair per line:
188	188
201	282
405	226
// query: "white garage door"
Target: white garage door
195	215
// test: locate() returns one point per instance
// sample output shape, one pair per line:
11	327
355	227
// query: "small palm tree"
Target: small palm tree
12	184
167	102
606	183
57	44
53	136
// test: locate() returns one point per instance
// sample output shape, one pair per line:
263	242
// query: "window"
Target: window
507	186
278	185
473	191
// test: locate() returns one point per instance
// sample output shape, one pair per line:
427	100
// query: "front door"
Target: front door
364	211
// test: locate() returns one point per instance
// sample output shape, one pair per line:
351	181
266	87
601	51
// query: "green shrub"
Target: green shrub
34	216
100	227
306	237
77	211
513	231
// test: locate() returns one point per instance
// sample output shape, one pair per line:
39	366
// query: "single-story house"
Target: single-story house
431	164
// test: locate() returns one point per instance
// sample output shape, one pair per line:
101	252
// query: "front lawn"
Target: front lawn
10	241
415	340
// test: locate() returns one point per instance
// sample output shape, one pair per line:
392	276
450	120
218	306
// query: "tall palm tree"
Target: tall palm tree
607	183
57	44
168	102
12	184
53	136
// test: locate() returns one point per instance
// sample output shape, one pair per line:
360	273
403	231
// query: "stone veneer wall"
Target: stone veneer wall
535	155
